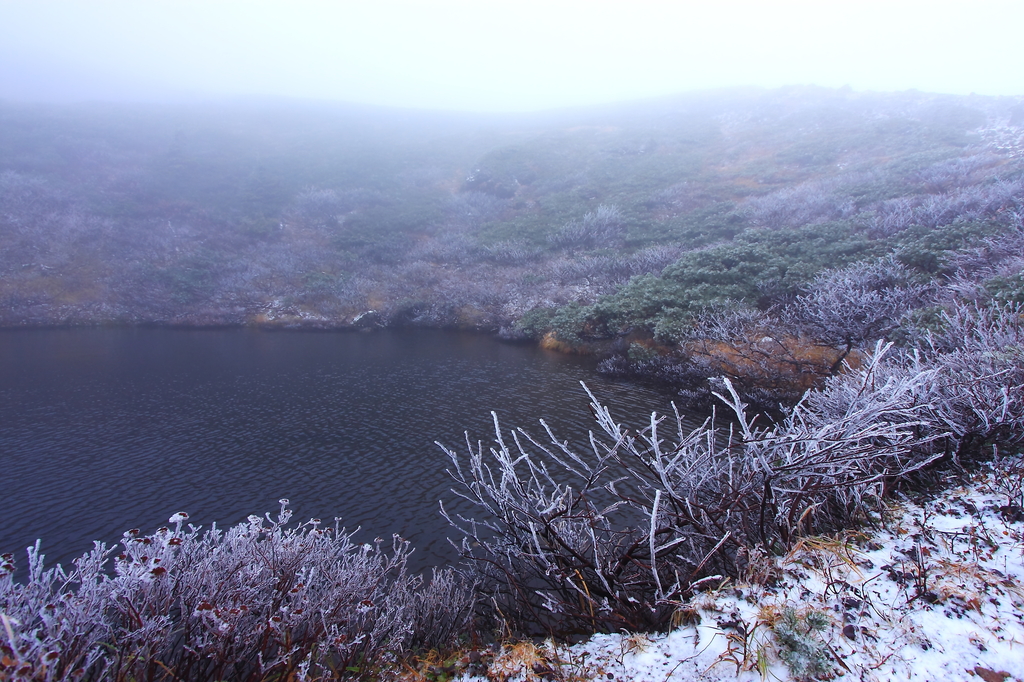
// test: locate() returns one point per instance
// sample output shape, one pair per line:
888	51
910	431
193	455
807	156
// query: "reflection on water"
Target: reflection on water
106	429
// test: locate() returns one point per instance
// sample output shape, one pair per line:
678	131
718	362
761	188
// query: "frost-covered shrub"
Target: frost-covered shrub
442	611
567	540
653	259
805	204
511	252
600	228
961	204
446	248
948	174
855	306
978	354
258	601
466	209
609	269
990	269
55	622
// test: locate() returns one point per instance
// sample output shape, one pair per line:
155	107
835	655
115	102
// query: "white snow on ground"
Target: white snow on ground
937	595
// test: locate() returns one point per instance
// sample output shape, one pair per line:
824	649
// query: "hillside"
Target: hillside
304	214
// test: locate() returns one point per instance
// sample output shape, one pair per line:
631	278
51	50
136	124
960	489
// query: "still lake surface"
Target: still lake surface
102	430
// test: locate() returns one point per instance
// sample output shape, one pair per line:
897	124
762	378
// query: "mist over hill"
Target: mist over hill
586	224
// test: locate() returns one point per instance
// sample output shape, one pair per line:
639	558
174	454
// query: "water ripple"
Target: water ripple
106	429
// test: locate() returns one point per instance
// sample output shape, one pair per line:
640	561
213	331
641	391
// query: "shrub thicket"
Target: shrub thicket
259	601
565	541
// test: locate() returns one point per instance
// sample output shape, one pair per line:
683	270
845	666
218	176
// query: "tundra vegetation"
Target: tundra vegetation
842	274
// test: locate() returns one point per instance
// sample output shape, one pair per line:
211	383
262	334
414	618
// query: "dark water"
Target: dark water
102	430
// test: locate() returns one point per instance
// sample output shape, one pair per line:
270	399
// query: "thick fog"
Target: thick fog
498	56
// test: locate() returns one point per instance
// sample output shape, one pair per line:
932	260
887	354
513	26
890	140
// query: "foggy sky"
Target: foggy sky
498	56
